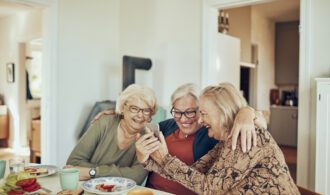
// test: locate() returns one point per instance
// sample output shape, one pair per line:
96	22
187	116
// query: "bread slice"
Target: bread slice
36	170
71	192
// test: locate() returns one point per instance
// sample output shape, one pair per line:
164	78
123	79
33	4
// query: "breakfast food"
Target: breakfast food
140	192
12	179
71	192
36	170
15	192
105	188
28	185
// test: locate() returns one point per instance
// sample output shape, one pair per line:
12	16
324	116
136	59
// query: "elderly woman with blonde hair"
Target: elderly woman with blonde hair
108	146
262	170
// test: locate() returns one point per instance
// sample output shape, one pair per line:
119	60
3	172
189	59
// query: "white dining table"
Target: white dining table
52	183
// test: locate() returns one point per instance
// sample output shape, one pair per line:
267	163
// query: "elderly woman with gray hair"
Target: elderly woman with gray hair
262	170
107	148
188	140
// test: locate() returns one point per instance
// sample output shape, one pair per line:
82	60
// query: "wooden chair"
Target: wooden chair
304	191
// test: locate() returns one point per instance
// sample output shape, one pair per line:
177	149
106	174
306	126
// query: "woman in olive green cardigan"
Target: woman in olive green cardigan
108	146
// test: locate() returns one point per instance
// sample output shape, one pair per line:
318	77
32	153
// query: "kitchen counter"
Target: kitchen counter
284	107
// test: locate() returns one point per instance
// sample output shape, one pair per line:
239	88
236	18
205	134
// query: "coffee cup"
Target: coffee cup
2	168
69	178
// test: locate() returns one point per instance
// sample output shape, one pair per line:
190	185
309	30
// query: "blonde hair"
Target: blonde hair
146	94
184	90
227	99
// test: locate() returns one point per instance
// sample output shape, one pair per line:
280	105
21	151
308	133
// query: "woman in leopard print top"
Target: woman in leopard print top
223	171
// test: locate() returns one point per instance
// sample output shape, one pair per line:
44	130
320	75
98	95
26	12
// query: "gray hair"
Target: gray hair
146	94
185	90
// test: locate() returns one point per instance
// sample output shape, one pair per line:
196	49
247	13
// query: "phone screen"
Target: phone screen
150	127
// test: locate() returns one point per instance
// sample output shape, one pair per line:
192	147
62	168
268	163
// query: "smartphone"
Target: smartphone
151	127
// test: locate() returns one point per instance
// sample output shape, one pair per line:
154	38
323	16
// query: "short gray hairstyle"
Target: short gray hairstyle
146	94
184	90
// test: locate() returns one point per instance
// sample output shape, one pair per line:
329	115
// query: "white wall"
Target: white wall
92	39
87	69
317	65
241	26
15	29
263	35
169	33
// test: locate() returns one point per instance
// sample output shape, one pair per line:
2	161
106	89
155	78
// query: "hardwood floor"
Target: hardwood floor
290	154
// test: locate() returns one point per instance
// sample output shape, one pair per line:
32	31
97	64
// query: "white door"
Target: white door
322	168
225	63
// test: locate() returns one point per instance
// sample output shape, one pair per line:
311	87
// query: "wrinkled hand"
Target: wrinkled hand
99	115
159	155
260	120
244	126
83	171
146	145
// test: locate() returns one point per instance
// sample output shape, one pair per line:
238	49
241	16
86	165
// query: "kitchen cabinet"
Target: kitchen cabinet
322	146
287	53
283	125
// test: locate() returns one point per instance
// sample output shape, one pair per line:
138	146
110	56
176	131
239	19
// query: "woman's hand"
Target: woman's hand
245	127
83	171
146	145
159	155
98	116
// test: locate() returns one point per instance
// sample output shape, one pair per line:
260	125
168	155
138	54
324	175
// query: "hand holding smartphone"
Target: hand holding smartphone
151	127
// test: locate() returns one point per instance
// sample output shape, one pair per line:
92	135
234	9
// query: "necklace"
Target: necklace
182	135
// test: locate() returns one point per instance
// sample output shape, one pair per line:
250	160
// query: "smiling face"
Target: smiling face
136	115
210	117
187	104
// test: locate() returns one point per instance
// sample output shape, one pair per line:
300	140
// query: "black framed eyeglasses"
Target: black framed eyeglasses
190	113
135	109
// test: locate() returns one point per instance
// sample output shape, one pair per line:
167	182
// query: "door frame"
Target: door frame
305	165
49	137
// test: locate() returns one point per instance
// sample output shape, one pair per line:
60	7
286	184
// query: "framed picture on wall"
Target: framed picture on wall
10	72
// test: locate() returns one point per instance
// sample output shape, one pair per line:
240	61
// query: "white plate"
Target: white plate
51	169
122	184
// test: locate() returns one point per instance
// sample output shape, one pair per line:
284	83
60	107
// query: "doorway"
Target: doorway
210	14
277	37
22	94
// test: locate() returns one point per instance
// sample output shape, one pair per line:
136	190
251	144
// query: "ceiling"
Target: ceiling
9	8
280	10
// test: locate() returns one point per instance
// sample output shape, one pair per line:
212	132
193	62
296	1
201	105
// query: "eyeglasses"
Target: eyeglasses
203	114
135	109
188	113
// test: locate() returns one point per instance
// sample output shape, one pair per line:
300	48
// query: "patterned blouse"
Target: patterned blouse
223	171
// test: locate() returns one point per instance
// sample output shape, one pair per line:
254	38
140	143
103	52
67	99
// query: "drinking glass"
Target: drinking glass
16	165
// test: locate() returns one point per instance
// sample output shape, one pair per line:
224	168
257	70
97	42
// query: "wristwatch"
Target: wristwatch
92	172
